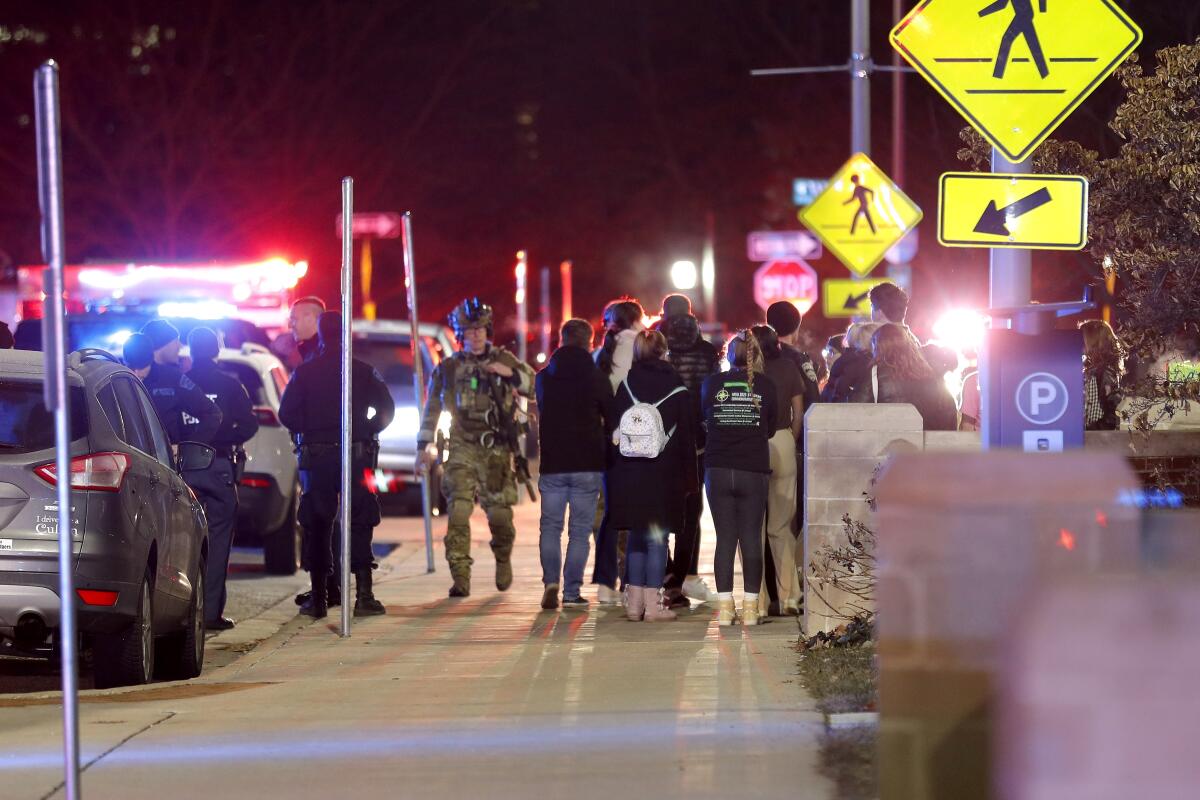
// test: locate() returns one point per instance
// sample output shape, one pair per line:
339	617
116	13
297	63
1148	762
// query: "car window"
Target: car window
392	357
158	434
250	378
136	431
26	425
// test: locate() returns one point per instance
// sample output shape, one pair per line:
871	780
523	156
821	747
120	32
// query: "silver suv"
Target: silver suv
140	535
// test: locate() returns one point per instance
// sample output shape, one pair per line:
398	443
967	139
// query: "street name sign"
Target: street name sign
861	215
1036	212
782	245
1015	69
377	225
844	297
793	281
805	190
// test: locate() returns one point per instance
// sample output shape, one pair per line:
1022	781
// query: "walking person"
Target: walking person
309	409
622	324
781	489
479	386
1103	369
238	426
649	478
694	358
575	401
739	415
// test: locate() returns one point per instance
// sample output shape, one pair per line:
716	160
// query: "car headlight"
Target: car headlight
406	423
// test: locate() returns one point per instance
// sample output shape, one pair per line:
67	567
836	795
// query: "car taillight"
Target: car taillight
266	417
252	482
103	472
97	597
32	309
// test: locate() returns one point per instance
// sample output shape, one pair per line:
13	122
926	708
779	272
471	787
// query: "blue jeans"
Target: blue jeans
646	558
578	491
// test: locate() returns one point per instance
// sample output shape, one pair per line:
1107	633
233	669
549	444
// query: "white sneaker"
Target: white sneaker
607	597
696	589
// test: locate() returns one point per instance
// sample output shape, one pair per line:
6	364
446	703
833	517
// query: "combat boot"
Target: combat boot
504	576
365	604
462	584
316	606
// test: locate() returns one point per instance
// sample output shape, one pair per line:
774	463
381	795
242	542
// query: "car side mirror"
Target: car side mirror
193	456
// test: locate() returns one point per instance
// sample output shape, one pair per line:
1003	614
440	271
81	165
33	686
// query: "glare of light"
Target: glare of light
271	275
118	338
684	275
802	306
242	292
541	358
1101	519
954	384
199	309
1066	539
406	423
961	330
650	320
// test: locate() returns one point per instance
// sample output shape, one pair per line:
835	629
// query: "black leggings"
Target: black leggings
738	500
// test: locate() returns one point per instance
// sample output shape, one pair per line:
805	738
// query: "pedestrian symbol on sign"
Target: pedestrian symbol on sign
862	195
1021	25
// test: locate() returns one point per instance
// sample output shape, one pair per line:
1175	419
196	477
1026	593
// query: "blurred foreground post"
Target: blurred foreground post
57	398
347	389
410	284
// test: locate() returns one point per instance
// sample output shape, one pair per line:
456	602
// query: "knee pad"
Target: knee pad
460	512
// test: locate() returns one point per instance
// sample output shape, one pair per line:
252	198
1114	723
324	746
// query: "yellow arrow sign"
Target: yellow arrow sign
1038	212
1015	69
847	298
861	214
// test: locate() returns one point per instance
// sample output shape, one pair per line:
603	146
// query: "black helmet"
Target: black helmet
471	313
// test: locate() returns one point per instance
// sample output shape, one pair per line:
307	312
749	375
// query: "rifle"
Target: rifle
510	435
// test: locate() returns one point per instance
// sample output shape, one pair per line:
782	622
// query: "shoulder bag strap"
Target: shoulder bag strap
632	396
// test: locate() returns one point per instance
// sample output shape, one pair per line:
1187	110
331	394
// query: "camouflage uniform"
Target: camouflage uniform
478	466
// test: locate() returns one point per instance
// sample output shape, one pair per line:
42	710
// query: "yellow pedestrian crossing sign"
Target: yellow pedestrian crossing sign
845	297
1015	69
861	214
1037	212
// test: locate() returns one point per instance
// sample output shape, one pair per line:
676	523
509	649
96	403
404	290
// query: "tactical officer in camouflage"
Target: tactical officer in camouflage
478	386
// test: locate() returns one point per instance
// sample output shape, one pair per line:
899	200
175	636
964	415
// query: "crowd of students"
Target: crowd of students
635	434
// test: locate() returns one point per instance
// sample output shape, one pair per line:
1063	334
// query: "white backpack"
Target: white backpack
640	433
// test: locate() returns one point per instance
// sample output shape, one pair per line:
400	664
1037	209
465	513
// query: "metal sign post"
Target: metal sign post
410	284
1011	275
347	389
57	399
522	270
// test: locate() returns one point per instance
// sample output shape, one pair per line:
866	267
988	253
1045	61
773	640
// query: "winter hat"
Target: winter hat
204	344
676	305
783	317
329	329
139	353
160	333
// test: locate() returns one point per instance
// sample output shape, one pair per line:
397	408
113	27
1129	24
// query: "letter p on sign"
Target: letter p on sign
1042	398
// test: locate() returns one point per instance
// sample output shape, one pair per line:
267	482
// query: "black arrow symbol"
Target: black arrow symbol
994	220
853	300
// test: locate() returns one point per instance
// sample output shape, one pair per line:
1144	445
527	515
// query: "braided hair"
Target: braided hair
744	352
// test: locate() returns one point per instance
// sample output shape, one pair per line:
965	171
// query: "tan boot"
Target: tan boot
635	603
656	606
726	613
751	614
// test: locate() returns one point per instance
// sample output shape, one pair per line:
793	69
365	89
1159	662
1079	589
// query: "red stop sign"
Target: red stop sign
793	281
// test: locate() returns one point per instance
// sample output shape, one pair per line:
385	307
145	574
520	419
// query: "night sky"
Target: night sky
600	132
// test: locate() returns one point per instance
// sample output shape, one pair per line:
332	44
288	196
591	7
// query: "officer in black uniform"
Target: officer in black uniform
238	425
310	410
153	355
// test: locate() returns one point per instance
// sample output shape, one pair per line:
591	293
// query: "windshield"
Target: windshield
25	424
392	358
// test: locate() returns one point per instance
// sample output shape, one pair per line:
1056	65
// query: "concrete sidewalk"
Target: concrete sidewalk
485	697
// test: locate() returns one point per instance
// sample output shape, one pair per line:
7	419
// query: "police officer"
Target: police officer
238	426
478	386
174	394
302	321
309	409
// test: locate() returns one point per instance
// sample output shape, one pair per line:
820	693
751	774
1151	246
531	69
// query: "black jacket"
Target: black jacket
311	403
847	376
646	492
694	358
808	370
308	349
574	400
238	423
175	394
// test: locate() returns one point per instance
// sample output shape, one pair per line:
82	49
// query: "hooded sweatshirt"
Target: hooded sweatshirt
694	358
574	401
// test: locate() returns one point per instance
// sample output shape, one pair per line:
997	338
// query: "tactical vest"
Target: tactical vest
472	399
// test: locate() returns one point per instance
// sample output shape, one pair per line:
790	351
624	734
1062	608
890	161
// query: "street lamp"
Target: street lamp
683	275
